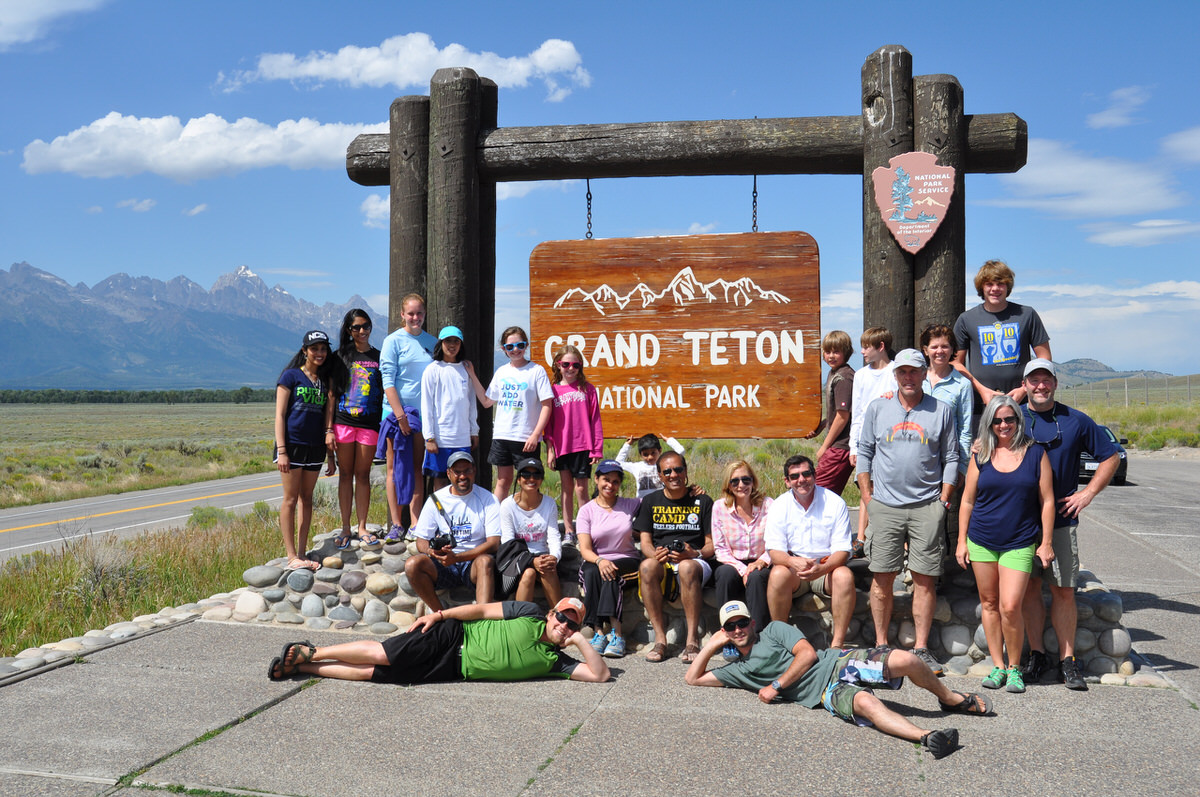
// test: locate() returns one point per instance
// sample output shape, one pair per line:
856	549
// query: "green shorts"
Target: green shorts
1017	559
858	670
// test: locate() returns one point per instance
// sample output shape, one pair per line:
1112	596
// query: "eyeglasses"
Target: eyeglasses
1011	420
567	621
681	470
360	327
518	346
800	474
567	365
1052	442
736	624
736	480
530	474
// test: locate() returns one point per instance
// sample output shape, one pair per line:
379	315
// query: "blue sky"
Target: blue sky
190	138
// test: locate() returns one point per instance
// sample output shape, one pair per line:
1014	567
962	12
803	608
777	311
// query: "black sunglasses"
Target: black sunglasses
1009	419
741	480
736	624
360	327
529	474
567	621
801	474
672	471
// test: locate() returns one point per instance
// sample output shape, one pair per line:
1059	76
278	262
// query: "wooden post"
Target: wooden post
408	165
939	269
486	320
452	274
887	114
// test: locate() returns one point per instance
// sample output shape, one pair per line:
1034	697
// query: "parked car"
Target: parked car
1088	465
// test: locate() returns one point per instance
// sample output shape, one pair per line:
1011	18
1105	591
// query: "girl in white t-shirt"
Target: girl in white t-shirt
531	516
521	393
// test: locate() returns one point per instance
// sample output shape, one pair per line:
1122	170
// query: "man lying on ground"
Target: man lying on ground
780	664
508	641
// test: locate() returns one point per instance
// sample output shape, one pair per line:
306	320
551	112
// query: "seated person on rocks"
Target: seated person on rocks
509	641
675	529
781	665
532	518
457	536
808	539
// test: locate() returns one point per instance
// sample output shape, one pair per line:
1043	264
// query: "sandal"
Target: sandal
275	670
343	541
300	653
689	653
302	564
972	703
941	743
658	652
367	538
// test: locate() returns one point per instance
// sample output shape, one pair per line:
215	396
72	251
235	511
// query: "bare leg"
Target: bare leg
840	584
483	574
567	481
1063	616
551	586
347	455
881	604
651	573
867	706
308	480
905	664
349	661
362	484
504	480
287	511
389	486
1012	590
923	606
987	581
525	585
781	585
691	592
418	495
1034	611
422	575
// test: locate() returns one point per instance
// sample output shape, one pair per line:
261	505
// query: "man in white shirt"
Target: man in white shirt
808	539
465	520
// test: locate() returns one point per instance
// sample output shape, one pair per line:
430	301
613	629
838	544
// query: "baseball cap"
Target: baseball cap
608	466
450	331
911	358
531	463
459	456
733	609
314	336
1040	364
571	605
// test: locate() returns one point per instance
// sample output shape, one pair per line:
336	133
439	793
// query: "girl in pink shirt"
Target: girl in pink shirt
574	436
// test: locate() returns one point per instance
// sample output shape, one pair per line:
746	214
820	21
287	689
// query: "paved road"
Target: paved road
28	528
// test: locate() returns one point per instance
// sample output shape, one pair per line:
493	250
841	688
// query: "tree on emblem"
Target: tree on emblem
901	195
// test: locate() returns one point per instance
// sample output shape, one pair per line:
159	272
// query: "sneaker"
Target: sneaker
1071	675
730	652
616	647
924	655
395	534
996	679
1016	684
941	743
571	539
599	642
1039	669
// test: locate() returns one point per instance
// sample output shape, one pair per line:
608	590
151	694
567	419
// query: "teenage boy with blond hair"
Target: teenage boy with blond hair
833	456
874	380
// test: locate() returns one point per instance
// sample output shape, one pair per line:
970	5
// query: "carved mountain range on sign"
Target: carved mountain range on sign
683	289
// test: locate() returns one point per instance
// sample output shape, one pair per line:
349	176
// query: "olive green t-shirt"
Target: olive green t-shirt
770	657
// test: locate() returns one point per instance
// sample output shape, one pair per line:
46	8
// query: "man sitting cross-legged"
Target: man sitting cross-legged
508	641
780	664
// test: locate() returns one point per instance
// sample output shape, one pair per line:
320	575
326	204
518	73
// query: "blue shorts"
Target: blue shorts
858	670
435	464
455	575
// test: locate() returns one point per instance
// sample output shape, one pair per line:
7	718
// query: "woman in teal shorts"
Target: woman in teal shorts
1007	517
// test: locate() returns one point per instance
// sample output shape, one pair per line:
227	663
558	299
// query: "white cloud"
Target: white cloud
1184	145
1061	181
696	228
24	21
94	209
377	209
137	205
122	146
1142	233
196	211
1124	102
408	61
304	273
518	190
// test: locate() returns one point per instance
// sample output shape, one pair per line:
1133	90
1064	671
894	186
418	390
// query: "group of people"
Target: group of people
991	481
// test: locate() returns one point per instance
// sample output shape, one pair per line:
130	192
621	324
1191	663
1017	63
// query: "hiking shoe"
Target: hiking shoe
924	655
599	642
616	646
1039	669
1071	675
395	534
941	743
571	539
1016	684
997	678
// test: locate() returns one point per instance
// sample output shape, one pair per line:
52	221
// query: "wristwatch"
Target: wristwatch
778	687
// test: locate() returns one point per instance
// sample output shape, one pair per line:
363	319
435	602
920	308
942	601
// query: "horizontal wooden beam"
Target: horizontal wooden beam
808	145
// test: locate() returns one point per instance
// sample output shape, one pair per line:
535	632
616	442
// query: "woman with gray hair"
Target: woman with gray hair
1007	517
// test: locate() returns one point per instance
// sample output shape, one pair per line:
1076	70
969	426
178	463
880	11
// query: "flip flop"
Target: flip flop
689	654
302	564
343	541
972	703
658	652
367	538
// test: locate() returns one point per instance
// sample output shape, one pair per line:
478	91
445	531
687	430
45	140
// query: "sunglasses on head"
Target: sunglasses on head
360	327
567	621
672	471
737	623
518	346
736	480
568	365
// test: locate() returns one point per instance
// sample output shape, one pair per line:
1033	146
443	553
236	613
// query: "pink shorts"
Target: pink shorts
353	434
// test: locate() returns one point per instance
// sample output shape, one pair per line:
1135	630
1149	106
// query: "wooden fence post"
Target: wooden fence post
408	166
887	114
939	269
486	320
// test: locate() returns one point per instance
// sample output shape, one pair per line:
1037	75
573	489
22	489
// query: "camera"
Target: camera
443	539
676	546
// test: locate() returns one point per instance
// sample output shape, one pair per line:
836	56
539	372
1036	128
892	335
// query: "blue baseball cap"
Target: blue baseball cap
450	331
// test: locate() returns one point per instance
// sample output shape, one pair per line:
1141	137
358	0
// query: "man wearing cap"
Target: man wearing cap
508	641
1064	432
467	519
807	536
907	469
781	665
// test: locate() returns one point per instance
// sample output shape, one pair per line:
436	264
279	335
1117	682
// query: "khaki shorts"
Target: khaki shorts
818	586
1064	570
919	525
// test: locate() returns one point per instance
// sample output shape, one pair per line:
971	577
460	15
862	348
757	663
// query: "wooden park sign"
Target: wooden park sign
712	336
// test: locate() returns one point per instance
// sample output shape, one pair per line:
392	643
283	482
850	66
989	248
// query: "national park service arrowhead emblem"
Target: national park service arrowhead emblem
913	197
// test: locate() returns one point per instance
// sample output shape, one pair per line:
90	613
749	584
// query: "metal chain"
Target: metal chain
754	207
589	210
